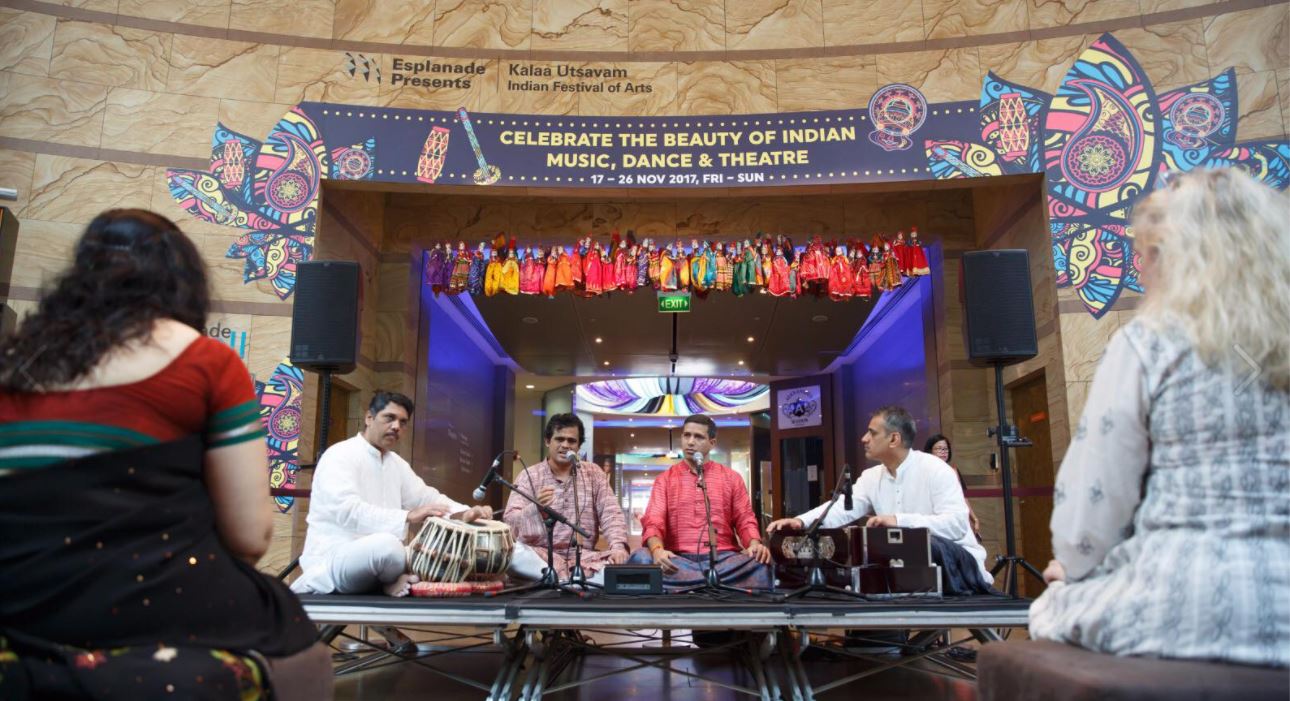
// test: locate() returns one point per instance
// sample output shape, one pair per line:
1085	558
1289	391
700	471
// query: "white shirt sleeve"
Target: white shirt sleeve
949	517
335	491
1099	485
839	516
415	492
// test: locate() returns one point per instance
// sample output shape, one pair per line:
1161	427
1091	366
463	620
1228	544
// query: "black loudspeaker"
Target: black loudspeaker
998	312
324	321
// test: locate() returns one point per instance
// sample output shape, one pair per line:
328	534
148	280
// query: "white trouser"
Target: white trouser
527	564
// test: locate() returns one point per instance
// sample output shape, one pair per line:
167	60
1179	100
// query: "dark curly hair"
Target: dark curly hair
130	268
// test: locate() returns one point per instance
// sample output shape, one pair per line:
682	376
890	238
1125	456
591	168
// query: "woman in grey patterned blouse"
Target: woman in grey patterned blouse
1171	519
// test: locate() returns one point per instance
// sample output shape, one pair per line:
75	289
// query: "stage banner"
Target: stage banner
480	148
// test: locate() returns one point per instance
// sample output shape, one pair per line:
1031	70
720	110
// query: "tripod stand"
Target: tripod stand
815	580
550	517
577	577
1006	437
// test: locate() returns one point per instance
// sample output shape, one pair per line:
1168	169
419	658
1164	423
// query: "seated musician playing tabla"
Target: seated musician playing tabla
676	524
910	489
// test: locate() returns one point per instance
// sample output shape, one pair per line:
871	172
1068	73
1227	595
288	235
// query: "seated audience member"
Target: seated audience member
576	488
910	489
676	524
134	498
1171	518
939	445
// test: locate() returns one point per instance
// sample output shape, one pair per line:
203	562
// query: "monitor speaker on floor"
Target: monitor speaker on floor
324	321
998	311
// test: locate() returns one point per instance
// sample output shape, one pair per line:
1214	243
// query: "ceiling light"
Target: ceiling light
819	318
529	387
599	339
606	363
741	362
751	339
633	435
530	320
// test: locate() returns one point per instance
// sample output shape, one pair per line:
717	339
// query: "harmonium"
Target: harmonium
877	562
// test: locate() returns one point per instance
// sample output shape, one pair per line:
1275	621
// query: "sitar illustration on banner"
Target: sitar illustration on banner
1102	140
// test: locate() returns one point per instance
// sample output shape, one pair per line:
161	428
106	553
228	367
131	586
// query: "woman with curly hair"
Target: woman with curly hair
134	496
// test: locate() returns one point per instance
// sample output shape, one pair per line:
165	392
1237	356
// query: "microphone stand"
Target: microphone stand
550	517
815	580
711	580
577	577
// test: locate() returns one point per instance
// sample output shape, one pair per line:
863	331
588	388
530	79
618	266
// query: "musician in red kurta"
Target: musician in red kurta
676	533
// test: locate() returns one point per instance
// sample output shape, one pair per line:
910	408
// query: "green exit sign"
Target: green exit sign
673	302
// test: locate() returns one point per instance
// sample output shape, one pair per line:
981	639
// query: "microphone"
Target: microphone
482	490
847	503
573	458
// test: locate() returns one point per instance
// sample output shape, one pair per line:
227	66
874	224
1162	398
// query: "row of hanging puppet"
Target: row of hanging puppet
837	270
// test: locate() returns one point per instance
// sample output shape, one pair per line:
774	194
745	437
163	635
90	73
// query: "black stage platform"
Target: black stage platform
543	636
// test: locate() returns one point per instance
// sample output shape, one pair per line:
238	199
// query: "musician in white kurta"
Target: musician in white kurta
364	497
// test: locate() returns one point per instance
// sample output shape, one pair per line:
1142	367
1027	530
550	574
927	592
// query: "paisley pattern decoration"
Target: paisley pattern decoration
1100	148
1269	162
270	190
1095	264
958	159
289	170
1198	119
356	162
1009	117
280	400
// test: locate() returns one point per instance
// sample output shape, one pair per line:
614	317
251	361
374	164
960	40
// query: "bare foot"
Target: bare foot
402	585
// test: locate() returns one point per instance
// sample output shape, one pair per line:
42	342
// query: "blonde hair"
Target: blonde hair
1220	241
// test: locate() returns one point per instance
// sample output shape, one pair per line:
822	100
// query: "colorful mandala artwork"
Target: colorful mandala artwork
897	111
1100	147
280	411
1269	162
288	171
269	190
1198	119
1095	264
356	162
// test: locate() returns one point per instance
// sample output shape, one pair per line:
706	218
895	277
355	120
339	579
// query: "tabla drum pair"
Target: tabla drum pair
446	550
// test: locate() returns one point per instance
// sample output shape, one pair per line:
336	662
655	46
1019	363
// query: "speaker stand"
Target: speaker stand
324	412
1006	437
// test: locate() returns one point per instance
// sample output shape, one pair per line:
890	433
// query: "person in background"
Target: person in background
1171	517
939	445
134	492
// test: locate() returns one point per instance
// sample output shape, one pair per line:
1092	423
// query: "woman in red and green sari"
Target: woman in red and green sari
134	495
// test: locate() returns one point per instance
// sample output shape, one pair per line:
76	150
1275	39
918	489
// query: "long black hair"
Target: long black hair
130	268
